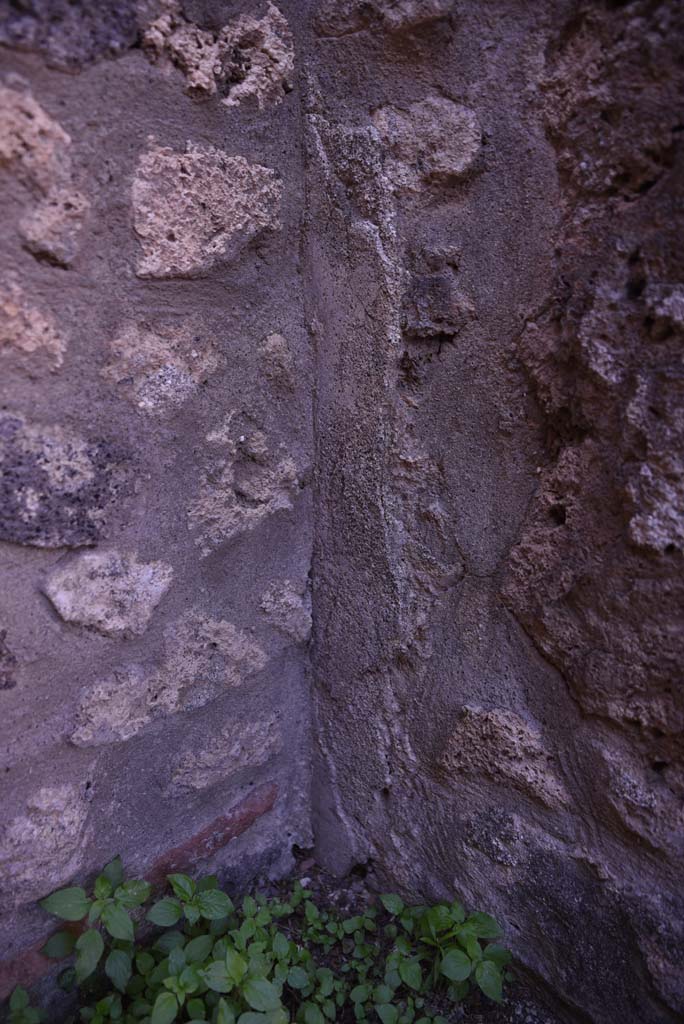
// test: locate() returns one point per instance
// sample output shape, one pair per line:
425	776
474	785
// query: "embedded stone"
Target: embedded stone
341	17
41	848
108	591
159	367
55	487
500	745
29	336
277	361
70	34
248	58
203	658
246	483
435	141
240	746
36	149
288	607
194	209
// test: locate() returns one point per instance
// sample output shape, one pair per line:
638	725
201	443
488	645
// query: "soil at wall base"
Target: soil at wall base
351	895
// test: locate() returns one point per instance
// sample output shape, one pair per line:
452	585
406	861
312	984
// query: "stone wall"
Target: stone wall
155	453
387	296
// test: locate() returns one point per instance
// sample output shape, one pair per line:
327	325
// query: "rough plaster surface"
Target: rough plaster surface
347	336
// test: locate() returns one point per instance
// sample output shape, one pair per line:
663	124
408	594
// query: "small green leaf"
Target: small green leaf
261	995
70	904
165	913
252	1018
144	963
117	922
236	966
208	882
387	1013
281	946
224	1014
297	978
360	994
196	1009
103	888
59	945
118	969
165	1009
393	904
411	974
488	977
182	885
214	904
113	872
498	954
455	965
19	999
197	950
133	893
89	949
482	925
217	978
312	1015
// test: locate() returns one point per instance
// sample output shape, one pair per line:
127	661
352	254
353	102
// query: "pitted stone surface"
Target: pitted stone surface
340	17
55	487
435	141
69	33
500	745
248	58
247	481
29	336
195	209
36	149
41	848
160	366
239	747
288	607
203	658
108	591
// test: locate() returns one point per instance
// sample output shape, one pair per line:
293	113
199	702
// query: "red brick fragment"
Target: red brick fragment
214	836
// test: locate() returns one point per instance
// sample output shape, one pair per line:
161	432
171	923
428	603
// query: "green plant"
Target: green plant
268	961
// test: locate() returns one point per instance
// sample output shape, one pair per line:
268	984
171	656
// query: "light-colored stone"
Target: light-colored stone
288	607
648	803
435	141
246	483
37	150
277	361
500	745
52	228
196	208
160	366
342	17
109	591
203	658
43	847
29	336
239	747
249	58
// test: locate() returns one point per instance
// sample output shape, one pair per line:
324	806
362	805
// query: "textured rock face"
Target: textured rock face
55	487
248	58
41	849
36	149
155	406
108	591
347	337
198	208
